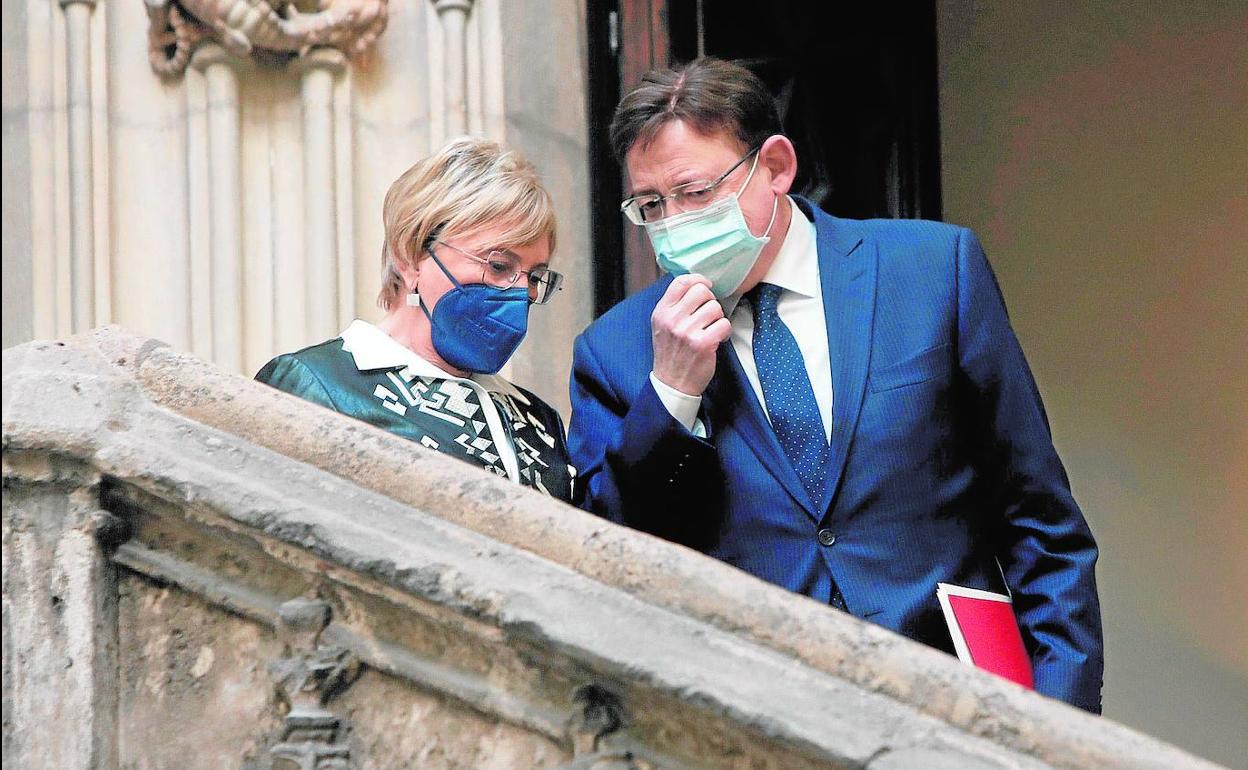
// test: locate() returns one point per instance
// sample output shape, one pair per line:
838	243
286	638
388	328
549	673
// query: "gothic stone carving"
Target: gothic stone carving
307	678
269	30
600	715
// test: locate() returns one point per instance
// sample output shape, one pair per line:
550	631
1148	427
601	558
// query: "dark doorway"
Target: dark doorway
856	90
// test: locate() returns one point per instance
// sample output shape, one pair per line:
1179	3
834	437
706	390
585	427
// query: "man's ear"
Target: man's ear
778	156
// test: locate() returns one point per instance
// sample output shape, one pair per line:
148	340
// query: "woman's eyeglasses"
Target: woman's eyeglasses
501	269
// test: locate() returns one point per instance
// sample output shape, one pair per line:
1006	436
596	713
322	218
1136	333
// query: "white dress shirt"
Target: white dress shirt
796	270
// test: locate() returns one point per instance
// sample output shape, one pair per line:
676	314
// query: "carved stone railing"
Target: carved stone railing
203	572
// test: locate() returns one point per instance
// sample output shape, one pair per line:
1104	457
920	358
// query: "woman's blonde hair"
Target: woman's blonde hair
467	185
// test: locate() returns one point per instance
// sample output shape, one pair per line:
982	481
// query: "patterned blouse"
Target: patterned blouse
482	419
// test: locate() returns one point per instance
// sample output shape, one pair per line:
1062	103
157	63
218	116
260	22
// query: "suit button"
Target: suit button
826	537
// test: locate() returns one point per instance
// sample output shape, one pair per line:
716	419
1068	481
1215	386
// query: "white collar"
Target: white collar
796	266
372	348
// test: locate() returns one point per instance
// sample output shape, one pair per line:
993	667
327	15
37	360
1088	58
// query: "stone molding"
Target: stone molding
739	665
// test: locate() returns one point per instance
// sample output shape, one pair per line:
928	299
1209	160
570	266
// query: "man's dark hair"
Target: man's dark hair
708	94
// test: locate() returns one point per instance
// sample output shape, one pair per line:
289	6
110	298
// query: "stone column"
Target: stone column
225	202
344	197
60	619
318	70
81	178
454	17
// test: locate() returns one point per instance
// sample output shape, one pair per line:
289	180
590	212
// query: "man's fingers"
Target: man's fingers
718	331
707	314
679	287
706	330
689	324
695	298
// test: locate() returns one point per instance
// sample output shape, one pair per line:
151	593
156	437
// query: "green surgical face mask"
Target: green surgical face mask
714	242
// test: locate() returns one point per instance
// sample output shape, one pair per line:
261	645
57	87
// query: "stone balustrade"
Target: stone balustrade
202	572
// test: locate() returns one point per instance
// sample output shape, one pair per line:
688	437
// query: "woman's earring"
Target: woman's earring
413	297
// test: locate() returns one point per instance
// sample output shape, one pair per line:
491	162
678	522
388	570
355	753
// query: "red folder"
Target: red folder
985	632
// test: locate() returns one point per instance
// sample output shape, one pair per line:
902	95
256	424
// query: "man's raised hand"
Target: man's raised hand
688	325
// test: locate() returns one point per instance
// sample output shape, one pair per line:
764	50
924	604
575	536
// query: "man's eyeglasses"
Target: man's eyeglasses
690	196
501	269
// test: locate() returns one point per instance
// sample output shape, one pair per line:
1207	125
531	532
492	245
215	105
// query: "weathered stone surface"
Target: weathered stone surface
60	628
482	598
194	690
186	661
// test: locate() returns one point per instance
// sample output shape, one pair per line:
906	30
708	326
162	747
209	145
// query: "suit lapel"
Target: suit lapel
847	268
732	401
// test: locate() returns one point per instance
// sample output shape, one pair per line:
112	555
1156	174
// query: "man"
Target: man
839	407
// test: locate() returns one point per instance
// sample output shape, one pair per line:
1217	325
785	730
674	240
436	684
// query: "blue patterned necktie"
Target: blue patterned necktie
788	393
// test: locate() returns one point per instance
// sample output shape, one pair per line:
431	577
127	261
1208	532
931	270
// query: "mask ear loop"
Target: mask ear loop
749	176
445	272
775	209
775	204
413	298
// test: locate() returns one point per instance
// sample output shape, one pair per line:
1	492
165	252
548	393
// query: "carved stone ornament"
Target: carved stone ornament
271	31
307	678
599	715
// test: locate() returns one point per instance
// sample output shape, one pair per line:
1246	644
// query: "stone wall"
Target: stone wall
231	203
203	572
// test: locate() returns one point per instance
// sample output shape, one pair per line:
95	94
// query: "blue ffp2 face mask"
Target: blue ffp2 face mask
714	242
477	328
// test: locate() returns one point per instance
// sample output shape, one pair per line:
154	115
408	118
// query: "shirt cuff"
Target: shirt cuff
681	406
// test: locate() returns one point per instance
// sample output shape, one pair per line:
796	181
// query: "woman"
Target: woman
468	235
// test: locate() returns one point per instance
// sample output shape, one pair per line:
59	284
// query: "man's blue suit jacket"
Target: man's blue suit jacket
943	466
